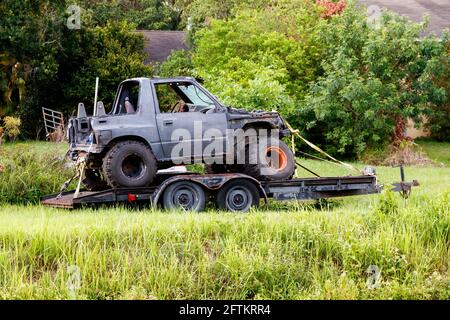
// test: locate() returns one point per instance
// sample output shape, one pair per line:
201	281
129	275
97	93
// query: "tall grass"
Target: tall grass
31	170
301	254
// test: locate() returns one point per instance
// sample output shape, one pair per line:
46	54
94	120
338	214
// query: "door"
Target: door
188	124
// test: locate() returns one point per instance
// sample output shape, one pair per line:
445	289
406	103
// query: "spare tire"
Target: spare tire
275	162
129	164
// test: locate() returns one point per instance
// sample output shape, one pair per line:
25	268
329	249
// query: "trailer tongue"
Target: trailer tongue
235	192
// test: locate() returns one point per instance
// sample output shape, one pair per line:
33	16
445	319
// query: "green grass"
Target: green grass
282	251
436	151
30	170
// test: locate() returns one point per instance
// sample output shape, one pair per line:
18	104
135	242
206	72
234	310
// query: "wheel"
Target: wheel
185	195
129	164
93	180
275	161
238	195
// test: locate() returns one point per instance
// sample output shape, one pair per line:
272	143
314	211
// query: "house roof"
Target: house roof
438	10
159	44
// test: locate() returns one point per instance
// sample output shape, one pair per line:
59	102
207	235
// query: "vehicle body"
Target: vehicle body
148	112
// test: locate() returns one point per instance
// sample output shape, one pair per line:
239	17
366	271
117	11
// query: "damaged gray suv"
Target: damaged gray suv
127	146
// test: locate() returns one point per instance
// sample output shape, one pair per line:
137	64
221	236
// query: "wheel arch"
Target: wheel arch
125	138
259	125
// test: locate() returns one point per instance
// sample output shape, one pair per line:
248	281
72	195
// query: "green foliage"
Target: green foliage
198	13
388	203
438	122
11	127
113	54
145	14
261	58
323	71
373	78
262	255
55	66
28	171
179	63
30	36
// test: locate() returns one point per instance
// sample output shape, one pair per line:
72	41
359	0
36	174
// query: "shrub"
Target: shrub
343	82
11	127
373	78
28	173
179	63
261	58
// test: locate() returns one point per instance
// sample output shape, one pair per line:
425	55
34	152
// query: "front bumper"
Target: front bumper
86	149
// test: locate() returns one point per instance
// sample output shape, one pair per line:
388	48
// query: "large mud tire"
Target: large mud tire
268	170
129	164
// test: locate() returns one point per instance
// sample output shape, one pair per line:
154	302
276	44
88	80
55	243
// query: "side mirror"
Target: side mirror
100	109
81	111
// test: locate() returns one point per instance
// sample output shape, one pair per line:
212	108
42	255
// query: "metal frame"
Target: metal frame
52	120
296	189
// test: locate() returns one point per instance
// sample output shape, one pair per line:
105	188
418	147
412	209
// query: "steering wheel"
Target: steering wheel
176	106
205	110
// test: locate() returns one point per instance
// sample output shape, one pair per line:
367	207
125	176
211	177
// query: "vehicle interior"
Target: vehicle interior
128	100
182	97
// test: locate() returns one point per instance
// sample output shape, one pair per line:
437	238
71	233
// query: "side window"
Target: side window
168	99
128	99
182	97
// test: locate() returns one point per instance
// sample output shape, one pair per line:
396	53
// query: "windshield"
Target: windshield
195	95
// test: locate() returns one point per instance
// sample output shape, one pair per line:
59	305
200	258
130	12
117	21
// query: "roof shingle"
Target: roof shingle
159	44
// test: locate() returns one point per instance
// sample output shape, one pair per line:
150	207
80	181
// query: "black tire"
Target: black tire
185	195
129	164
282	169
238	196
93	180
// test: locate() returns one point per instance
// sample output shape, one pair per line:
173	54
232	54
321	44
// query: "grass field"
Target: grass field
282	251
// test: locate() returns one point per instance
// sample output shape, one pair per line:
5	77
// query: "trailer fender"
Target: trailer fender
210	182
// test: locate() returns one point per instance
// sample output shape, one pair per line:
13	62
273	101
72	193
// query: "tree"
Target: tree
262	58
45	64
374	79
29	37
145	14
113	53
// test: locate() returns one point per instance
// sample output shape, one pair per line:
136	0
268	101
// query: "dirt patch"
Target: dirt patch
407	153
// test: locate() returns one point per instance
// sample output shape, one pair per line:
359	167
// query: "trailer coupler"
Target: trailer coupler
404	187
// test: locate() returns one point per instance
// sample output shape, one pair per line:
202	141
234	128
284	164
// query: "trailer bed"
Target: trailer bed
295	189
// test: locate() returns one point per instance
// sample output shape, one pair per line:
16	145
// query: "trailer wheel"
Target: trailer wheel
185	195
238	196
129	164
